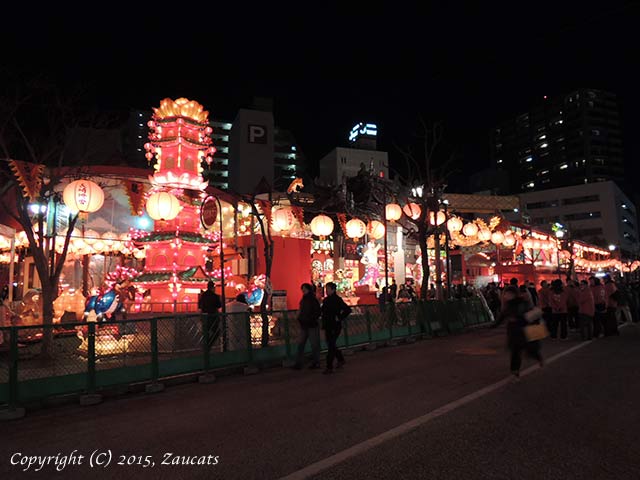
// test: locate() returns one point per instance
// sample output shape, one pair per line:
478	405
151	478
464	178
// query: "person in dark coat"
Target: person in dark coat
513	313
334	311
209	304
308	316
393	290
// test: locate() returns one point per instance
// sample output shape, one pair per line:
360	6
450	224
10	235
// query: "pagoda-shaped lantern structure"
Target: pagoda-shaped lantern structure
176	251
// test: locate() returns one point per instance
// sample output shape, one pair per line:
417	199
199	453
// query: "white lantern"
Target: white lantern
163	206
375	229
454	224
99	246
484	234
509	241
437	218
470	229
527	244
497	238
356	228
83	196
283	219
393	211
109	238
322	226
91	237
412	210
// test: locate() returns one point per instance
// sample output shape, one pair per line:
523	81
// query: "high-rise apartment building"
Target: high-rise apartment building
565	140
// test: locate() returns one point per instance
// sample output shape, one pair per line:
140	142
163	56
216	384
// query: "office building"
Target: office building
565	140
361	155
598	213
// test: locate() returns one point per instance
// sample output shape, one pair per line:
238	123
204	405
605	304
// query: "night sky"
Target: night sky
328	68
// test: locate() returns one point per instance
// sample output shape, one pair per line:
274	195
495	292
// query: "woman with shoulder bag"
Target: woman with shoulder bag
514	314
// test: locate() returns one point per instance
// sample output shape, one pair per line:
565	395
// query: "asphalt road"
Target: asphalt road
576	418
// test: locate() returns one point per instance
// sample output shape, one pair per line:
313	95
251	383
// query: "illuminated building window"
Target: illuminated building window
564	166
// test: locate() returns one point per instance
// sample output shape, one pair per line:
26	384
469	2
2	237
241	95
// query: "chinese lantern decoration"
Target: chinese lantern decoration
454	224
322	226
91	237
484	234
375	229
470	229
109	238
283	219
437	218
509	241
527	244
393	211
412	210
497	238
83	196
356	228
163	206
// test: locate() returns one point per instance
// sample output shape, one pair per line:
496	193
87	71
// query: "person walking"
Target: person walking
572	304
543	301
558	302
513	313
334	311
600	301
622	299
610	319
586	310
308	316
209	304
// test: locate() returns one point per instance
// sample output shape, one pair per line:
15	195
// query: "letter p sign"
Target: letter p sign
257	134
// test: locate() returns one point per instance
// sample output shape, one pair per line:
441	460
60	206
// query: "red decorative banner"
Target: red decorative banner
29	176
298	213
135	194
342	220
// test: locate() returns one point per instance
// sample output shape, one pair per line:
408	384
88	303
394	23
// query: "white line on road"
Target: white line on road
359	448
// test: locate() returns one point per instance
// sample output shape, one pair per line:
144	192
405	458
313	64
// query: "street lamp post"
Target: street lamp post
446	248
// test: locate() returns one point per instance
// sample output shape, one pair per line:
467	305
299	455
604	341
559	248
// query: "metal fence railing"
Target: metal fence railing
86	357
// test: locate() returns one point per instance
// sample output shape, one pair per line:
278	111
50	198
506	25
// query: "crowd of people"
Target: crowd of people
591	308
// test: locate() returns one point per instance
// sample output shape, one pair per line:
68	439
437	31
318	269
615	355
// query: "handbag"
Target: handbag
535	332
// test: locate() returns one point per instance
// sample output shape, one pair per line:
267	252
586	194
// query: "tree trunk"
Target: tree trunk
422	240
49	294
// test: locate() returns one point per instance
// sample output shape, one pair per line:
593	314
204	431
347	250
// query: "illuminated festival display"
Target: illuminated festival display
177	249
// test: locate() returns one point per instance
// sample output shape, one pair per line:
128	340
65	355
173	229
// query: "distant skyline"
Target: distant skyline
326	70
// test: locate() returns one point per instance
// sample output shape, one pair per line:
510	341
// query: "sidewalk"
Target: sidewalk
267	425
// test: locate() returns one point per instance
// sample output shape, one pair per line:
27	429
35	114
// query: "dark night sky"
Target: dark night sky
328	68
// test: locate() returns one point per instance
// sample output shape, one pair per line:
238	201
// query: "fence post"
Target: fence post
13	368
91	358
225	336
205	342
154	386
247	321
154	350
367	316
287	340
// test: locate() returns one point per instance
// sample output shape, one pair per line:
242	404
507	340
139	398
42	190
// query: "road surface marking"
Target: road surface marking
359	448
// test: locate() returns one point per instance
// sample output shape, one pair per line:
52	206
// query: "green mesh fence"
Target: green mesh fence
41	361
